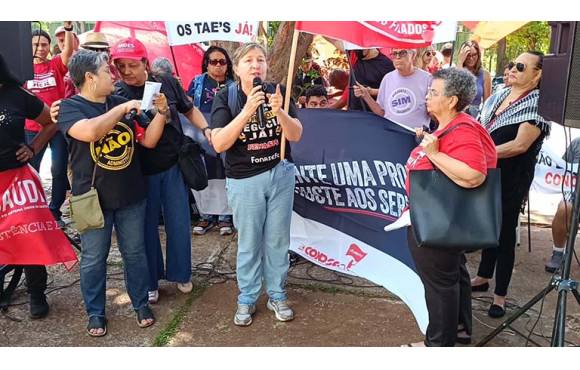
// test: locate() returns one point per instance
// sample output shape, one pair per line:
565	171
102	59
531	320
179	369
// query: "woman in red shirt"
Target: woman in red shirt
463	155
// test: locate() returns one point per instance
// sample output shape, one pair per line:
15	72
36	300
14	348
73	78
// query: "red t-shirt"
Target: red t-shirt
48	84
470	144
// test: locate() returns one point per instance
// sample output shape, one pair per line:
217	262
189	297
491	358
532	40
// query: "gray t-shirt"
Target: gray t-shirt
573	151
403	98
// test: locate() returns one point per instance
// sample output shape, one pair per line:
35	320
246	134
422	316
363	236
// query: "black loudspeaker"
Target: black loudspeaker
560	86
16	48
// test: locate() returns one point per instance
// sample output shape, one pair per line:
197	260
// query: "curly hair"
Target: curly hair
460	83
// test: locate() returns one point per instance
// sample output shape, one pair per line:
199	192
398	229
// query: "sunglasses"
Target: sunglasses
215	62
399	54
429	53
520	67
98	50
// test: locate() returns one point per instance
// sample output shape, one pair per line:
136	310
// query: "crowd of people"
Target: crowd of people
97	129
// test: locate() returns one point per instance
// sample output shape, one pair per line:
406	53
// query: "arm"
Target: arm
68	44
361	91
458	171
198	120
47	131
527	134
223	138
486	85
291	127
155	129
93	129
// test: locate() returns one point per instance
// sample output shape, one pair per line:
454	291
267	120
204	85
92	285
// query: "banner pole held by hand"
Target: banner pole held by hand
289	80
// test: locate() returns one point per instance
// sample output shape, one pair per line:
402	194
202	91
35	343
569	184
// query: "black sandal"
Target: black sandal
145	313
97	322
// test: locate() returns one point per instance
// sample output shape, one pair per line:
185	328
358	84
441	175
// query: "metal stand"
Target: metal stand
562	283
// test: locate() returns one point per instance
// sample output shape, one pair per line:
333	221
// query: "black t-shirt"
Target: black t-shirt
517	172
369	73
255	151
119	179
210	88
16	105
165	153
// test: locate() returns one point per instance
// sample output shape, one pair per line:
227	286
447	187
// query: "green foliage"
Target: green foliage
532	36
272	30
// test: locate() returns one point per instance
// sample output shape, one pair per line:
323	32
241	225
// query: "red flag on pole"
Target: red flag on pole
29	235
392	34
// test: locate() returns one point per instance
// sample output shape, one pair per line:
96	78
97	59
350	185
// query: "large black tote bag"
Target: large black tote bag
447	216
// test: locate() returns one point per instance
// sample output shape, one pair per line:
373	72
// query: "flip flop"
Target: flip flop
144	313
97	322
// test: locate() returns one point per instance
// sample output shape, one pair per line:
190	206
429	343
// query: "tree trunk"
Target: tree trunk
501	57
280	52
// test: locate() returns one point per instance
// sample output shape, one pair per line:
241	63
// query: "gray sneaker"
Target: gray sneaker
281	309
555	262
244	314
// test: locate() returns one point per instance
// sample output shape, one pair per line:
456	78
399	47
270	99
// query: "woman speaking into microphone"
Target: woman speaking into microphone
260	185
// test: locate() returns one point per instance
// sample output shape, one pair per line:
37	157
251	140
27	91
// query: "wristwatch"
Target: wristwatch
204	129
69	29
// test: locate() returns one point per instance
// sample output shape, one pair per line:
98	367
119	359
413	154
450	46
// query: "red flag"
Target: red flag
188	58
29	235
392	34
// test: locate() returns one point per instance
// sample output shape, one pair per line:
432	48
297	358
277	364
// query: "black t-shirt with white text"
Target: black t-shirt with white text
119	180
166	152
255	151
16	105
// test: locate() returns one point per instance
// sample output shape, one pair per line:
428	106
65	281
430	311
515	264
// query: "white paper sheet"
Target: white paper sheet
151	89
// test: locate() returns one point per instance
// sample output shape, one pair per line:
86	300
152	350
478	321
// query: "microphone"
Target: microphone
260	111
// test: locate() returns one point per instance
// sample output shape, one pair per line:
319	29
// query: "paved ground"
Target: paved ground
331	309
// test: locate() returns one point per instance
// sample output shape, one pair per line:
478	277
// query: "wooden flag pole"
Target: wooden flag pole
289	81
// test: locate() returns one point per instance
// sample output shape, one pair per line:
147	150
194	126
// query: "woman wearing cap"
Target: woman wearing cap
167	192
518	131
260	186
103	141
470	59
217	73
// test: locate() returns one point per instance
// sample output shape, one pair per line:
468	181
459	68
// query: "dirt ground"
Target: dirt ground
331	309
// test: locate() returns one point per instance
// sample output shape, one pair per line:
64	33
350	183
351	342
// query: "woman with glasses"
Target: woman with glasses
425	58
217	73
402	92
470	59
463	150
518	131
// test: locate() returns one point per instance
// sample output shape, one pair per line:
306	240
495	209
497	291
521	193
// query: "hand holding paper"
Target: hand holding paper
151	89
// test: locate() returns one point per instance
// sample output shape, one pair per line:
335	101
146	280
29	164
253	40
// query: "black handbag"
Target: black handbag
191	164
447	216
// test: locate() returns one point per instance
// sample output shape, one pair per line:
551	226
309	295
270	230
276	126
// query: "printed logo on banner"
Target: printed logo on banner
402	101
355	253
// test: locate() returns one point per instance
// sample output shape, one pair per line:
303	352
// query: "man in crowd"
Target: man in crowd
447	52
402	93
48	84
316	97
368	70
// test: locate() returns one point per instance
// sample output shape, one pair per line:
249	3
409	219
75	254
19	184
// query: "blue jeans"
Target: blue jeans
262	206
58	169
129	225
167	191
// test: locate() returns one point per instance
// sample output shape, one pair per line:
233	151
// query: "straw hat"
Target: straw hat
95	40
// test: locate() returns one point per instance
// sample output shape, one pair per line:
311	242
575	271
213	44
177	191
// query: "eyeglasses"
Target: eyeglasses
520	67
429	53
399	54
215	62
433	93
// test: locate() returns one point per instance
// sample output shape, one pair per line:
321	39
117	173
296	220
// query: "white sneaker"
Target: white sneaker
281	309
185	287
243	316
153	296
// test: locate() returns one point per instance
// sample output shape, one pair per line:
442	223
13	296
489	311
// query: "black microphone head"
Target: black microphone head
257	81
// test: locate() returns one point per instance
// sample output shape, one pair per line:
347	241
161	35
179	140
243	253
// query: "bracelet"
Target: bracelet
205	128
69	29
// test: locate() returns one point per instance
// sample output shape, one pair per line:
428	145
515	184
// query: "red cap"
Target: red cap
129	48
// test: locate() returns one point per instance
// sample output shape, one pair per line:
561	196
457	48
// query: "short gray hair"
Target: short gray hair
162	66
84	61
460	83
